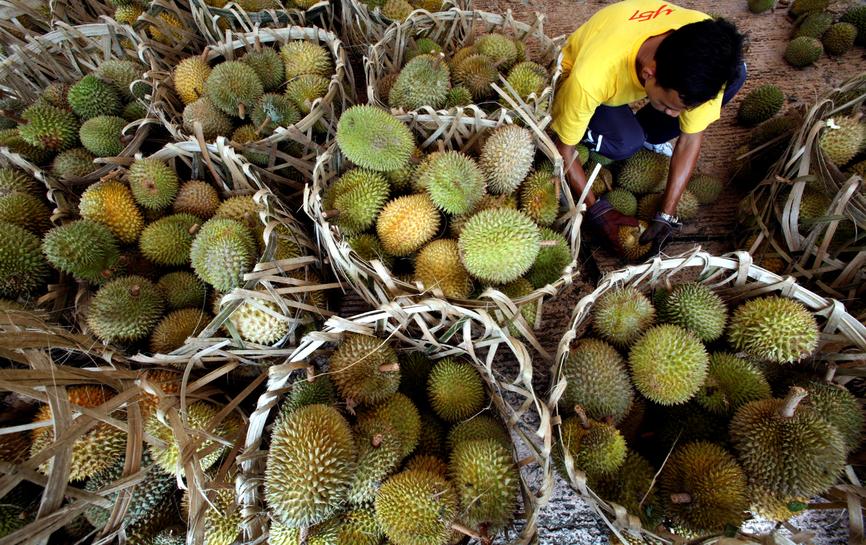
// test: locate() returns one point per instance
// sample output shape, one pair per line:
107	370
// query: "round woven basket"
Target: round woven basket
362	26
21	20
286	171
375	283
735	278
454	29
825	253
213	21
438	330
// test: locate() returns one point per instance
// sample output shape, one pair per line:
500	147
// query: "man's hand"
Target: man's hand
605	222
659	232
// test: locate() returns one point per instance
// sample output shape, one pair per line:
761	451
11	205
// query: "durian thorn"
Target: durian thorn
194	229
376	440
135	290
261	127
389	367
795	396
681	498
330	214
831	373
548	243
581	414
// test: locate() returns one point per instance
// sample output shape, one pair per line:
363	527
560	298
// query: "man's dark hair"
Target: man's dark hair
698	59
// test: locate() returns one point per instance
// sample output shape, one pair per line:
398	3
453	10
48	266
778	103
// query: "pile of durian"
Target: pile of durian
735	399
450	220
247	99
399	10
98	458
261	5
69	125
429	78
168	30
388	446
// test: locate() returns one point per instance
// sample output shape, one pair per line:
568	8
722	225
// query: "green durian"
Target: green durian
842	139
527	78
182	289
799	7
803	51
454	181
458	96
222	252
480	427
103	135
506	158
302	57
125	309
705	188
596	380
357	196
598	449
632	486
365	369
372	138
487	483
622	201
696	308
774	329
196	197
423	81
173	330
760	104
552	260
27	211
268	66
48	127
305	89
422	46
814	25
499	245
622	315
379	452
856	15
167	241
73	163
835	404
13	180
234	88
539	197
91	97
272	111
23	268
369	247
85	249
153	183
319	390
668	364
731	382
416	507
476	73
122	75
213	121
455	390
643	172
499	48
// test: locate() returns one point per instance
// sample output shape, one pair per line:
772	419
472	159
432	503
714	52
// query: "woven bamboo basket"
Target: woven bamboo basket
214	21
21	20
438	330
67	54
826	252
735	278
362	26
372	279
287	170
168	28
454	29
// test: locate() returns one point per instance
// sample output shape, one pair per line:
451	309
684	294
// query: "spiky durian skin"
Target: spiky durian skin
198	416
399	413
48	127
842	139
26	211
499	48
668	364
91	97
407	223
85	249
213	121
598	451
358	195
111	203
527	78
499	245
551	261
803	51
800	455
272	111
620	316
539	198
268	66
799	7
775	329
355	369
372	138
167	240
125	309
632	487
222	523
856	15
303	90
153	183
93	451
422	46
705	188
260	322
174	329
305	392
234	88
481	427
486	480
731	383
715	483
305	58
310	465
369	247
73	163
396	10
597	381
22	266
416	507
623	201
423	81
121	73
431	439
101	135
182	289
438	265
839	407
458	96
455	390
775	507
475	73
760	104
378	456
643	172
360	527
814	24
454	182
696	308
13	180
507	157
12	139
196	197
222	252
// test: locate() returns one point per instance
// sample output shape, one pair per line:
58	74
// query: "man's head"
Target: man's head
693	63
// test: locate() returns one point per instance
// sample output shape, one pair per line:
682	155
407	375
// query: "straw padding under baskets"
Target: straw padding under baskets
285	170
20	20
735	279
463	131
454	29
438	330
213	21
808	217
66	55
362	26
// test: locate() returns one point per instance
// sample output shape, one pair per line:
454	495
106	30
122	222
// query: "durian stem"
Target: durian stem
376	440
264	124
135	290
258	44
242	110
194	229
330	214
681	498
389	367
584	421
548	243
795	396
831	373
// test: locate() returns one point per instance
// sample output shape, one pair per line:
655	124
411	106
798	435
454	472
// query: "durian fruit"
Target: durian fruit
458	96
696	308
813	205
85	249
399	415
259	321
128	14
800	7
453	180
222	516
455	390
182	289
125	309
539	197
268	66
803	51
622	201
168	29
73	163
598	449
705	188
499	48
48	128
103	135
499	245
222	252
372	138
622	315
189	77
597	381
481	427
760	104
27	211
416	507
438	266
312	440
92	452
174	329
54	94
487	202
196	197
431	439
552	259
760	6
302	57
422	46
213	121
856	15
731	382
23	268
842	139
786	447
316	390
111	203
427	462
814	25
835	404
629	240
516	289
384	86
305	89
133	111
154	184
360	527
423	81
167	241
507	157
234	88
688	206
357	197
378	456
527	78
122	75
272	111
774	329
704	488
16	181
461	54
668	364
776	507
91	97
396	10
487	483
643	172
632	486
365	369
406	223
475	73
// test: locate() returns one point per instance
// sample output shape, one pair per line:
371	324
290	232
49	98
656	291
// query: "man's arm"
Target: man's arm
574	173
683	161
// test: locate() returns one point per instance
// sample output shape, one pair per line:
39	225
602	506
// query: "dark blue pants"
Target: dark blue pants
624	131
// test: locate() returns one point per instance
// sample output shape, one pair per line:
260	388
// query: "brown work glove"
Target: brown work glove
605	222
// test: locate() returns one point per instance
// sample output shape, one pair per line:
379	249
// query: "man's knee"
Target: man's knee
624	147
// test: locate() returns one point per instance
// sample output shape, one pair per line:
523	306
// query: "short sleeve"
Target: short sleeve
700	117
573	107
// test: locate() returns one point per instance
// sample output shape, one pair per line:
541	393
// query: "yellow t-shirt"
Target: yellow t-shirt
598	65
